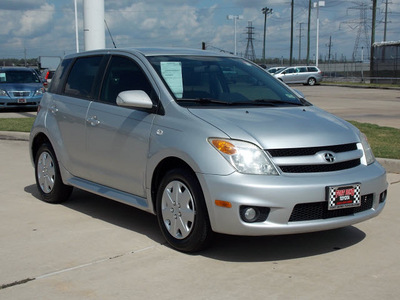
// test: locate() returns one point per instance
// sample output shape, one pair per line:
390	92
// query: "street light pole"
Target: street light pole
232	17
266	11
317	5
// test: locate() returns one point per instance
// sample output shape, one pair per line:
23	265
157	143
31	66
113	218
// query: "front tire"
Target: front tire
48	178
181	211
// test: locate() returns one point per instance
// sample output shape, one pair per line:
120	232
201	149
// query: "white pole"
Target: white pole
230	17
76	28
93	24
235	36
318	4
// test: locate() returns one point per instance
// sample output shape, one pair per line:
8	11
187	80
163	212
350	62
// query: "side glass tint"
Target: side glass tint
123	74
80	80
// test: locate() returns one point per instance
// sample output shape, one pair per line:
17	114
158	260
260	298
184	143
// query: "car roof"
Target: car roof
154	52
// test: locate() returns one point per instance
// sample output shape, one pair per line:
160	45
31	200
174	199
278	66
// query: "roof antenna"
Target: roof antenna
110	33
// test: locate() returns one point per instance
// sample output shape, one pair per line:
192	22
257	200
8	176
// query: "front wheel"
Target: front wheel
48	178
181	211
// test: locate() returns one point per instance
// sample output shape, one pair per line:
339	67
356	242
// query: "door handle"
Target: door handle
93	121
53	109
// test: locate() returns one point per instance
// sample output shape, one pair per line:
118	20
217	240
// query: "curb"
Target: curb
391	165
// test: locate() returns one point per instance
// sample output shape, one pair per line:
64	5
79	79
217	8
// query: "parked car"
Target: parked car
20	87
47	75
310	75
164	130
275	69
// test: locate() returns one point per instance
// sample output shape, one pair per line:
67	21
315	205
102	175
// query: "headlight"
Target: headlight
245	157
39	92
369	156
3	93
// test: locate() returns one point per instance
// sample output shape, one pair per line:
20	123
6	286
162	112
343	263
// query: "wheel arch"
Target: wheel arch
162	168
39	140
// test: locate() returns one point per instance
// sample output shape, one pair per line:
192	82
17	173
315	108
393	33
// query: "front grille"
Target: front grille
311	150
319	210
317	167
20	94
321	168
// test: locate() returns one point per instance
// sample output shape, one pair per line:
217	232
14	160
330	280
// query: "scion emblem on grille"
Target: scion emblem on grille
329	157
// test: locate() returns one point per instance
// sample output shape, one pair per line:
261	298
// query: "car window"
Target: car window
312	69
82	75
58	74
302	69
219	81
123	74
290	71
19	76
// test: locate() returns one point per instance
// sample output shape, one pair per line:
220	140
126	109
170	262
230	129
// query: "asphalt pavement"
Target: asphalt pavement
94	248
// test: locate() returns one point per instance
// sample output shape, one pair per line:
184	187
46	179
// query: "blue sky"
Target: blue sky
46	28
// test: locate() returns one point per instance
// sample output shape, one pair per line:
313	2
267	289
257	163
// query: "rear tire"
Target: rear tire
311	81
181	211
48	177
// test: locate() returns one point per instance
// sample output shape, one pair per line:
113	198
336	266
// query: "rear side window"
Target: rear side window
58	75
83	73
303	69
312	69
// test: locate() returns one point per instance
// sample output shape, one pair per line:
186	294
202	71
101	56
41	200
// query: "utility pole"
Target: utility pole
235	18
384	30
371	59
308	32
250	53
266	11
329	48
291	34
300	40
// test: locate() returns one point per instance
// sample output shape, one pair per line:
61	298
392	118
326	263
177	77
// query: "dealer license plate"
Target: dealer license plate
21	100
344	196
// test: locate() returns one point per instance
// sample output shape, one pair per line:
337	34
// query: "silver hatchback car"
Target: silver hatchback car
310	75
208	142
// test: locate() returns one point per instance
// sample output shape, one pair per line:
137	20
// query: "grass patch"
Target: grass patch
16	124
384	141
361	84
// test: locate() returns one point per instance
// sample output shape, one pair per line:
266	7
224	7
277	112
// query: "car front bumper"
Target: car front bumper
29	102
280	195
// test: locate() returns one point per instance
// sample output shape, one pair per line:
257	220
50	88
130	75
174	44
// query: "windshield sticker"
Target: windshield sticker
2	77
172	73
290	96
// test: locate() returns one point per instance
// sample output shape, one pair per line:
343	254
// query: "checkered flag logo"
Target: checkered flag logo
332	196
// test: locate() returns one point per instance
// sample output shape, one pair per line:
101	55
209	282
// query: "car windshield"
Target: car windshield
221	81
16	76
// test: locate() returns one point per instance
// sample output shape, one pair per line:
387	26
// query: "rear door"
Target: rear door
67	113
118	137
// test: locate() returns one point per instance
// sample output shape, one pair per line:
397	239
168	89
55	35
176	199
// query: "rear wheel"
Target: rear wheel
181	211
48	178
311	81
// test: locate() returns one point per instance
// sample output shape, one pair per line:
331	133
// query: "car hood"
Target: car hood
273	128
20	86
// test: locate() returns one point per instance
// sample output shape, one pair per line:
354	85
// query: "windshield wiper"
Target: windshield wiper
205	101
274	102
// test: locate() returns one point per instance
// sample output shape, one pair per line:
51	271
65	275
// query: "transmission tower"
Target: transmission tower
362	39
250	54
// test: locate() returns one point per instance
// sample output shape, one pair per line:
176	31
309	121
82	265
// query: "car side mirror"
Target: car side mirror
138	99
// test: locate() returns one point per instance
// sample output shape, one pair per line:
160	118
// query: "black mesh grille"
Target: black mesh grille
311	151
321	168
319	210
